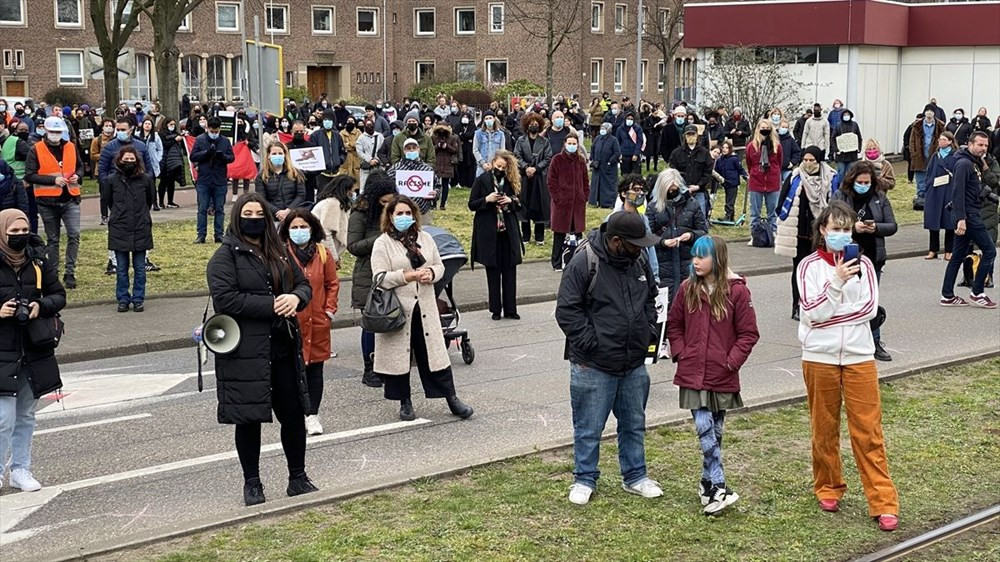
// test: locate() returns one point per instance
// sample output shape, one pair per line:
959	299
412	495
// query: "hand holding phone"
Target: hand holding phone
852	252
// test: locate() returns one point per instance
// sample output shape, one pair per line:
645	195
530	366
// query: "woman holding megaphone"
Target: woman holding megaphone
252	279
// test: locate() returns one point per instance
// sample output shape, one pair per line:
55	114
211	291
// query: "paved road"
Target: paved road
153	458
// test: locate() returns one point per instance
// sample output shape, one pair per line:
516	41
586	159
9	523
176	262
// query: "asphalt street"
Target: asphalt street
133	450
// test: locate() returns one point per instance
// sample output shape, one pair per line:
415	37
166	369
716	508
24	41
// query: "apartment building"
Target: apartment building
367	48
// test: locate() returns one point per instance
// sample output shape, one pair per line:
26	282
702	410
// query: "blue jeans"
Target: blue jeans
842	168
784	175
68	214
593	395
702	198
757	200
17	425
214	195
975	233
918	178
121	271
709	426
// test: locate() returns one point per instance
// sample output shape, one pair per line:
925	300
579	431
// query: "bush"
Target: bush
475	98
64	96
297	93
520	87
427	92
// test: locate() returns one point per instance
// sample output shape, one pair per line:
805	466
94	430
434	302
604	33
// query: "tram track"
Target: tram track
952	530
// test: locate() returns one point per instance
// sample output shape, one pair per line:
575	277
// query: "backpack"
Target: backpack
594	263
969	268
761	234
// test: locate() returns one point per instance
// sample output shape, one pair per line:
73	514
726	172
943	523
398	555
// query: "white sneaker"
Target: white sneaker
750	243
646	488
22	478
235	197
313	427
721	498
580	494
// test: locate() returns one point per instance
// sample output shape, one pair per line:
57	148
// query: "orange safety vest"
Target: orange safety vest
48	166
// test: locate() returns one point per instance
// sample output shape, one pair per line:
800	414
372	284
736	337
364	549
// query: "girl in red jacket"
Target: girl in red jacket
764	159
712	328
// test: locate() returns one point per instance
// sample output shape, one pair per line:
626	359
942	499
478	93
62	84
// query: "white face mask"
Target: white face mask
53	137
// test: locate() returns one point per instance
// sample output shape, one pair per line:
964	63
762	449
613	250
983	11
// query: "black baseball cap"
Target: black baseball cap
629	227
690	129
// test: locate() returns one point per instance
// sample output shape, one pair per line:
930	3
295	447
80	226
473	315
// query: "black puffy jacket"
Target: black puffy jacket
611	329
695	164
240	285
675	220
281	192
130	227
38	365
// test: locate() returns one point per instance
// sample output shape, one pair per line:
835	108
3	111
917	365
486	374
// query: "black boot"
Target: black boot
459	408
406	410
880	353
253	492
369	378
299	485
795	314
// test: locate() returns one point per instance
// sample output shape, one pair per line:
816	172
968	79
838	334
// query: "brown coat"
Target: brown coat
314	324
352	163
917	162
392	350
569	188
446	147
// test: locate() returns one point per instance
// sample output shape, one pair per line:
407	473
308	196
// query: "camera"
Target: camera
23	311
987	195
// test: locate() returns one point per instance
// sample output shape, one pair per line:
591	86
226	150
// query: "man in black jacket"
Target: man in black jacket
694	162
607	309
970	227
328	138
213	153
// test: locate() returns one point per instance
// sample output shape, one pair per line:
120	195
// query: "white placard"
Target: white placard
414	183
660	349
308	159
86	134
847	142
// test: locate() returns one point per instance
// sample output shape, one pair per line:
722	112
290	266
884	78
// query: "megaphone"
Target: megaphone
220	334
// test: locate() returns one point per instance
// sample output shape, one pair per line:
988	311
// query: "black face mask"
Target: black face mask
499	174
299	136
765	132
412	127
23	135
369	129
350	127
533	129
252	227
18	242
127	167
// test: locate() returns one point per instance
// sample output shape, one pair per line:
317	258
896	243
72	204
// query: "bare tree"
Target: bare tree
751	78
111	38
663	30
166	17
552	21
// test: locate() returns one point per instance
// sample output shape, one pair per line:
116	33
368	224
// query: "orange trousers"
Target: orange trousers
858	384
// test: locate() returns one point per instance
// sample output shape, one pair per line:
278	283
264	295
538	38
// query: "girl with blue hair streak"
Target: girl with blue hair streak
712	328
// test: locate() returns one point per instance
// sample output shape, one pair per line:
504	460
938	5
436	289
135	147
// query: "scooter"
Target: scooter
743	216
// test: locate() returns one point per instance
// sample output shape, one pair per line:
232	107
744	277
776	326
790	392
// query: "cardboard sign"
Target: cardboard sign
415	184
228	128
847	142
308	159
86	134
659	349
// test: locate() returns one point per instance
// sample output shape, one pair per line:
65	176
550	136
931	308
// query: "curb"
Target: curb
321	498
186	341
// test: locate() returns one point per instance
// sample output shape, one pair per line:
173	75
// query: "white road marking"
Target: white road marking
92	424
782	369
107	389
14	508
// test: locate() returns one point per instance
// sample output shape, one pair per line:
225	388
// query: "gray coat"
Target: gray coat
392	350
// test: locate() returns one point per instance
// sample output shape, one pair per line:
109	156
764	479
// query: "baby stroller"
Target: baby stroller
454	257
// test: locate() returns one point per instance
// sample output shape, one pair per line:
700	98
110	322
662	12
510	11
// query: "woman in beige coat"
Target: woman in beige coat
411	263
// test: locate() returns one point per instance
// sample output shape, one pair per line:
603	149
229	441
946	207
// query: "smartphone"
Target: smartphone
850	252
869	223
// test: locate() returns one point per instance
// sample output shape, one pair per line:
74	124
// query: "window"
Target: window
664	15
496	18
597	17
70	68
807	55
424	71
68	13
19	59
659	75
227	16
290	79
465	21
185	23
642	75
191	76
276	18
215	78
496	71
12	12
139	84
126	13
619	75
367	21
465	71
596	75
829	53
621	12
8	58
424	21
322	20
236	73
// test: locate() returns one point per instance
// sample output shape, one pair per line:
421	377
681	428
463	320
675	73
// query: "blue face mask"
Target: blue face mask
328	123
614	111
122	136
837	241
945	151
40	132
783	130
213	136
558	121
277	160
604	131
571	148
680	120
775	119
412	155
403	222
862	188
299	236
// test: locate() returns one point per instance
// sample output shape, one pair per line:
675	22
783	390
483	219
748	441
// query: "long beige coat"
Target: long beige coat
392	350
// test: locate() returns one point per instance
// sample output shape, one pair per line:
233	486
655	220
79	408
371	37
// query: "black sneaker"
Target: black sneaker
69	281
172	205
137	307
150	266
110	269
199	240
300	485
218	240
156	207
704	488
123	307
880	353
720	498
104	221
253	492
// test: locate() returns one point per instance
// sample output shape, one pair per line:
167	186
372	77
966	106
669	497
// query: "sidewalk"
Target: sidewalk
99	331
90	209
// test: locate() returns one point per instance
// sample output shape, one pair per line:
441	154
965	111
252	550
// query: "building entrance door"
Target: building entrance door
323	79
15	88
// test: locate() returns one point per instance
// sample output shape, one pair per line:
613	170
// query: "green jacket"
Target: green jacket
427	153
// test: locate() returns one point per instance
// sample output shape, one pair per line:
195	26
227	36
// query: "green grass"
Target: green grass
941	429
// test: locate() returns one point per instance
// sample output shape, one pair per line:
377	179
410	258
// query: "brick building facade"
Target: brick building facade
347	49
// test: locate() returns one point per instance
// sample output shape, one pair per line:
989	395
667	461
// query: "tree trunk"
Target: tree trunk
111	94
669	80
550	56
165	55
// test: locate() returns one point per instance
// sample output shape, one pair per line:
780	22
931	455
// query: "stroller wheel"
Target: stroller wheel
468	354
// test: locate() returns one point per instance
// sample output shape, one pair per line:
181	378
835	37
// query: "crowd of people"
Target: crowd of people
817	190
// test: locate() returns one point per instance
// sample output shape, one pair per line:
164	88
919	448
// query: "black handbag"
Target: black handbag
382	312
44	333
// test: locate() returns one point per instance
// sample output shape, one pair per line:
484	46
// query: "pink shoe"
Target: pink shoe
888	522
829	505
